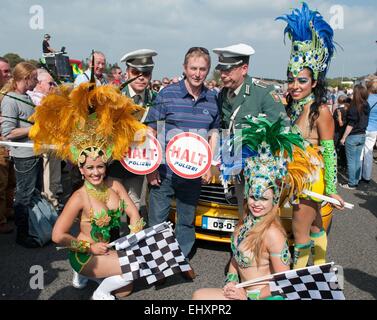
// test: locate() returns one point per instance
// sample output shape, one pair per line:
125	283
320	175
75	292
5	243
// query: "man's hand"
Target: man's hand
154	178
207	177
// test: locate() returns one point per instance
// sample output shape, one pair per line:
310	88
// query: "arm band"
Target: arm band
330	162
232	277
253	294
137	226
81	246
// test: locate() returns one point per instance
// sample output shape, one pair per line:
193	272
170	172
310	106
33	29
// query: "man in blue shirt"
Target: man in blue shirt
185	106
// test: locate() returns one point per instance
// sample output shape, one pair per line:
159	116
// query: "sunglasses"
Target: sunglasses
197	49
136	72
52	84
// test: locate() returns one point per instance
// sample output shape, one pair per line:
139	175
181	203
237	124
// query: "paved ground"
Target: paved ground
352	244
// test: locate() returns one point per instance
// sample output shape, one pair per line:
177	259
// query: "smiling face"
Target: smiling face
99	64
5	73
196	70
260	207
94	171
301	86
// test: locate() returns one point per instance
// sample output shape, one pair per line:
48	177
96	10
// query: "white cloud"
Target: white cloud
172	26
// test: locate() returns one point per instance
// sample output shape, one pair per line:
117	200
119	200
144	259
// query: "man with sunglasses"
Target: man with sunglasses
243	96
139	66
186	106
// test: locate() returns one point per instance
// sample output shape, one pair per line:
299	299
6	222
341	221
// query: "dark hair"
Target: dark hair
319	92
360	98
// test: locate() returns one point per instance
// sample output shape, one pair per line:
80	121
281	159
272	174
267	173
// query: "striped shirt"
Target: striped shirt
179	112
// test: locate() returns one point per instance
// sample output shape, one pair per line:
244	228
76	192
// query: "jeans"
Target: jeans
28	178
367	157
187	194
7	185
354	146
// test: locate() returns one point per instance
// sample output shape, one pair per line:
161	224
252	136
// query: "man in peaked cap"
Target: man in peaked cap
243	96
139	64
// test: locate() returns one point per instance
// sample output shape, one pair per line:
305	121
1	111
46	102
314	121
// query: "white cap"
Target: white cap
233	55
140	59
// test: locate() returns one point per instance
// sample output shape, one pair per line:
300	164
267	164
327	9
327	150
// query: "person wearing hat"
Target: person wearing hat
139	65
46	45
243	96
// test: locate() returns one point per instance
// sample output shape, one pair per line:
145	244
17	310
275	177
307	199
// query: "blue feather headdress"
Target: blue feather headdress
312	41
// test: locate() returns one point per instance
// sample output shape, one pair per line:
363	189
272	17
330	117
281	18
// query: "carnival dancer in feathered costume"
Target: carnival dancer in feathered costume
311	53
275	168
88	126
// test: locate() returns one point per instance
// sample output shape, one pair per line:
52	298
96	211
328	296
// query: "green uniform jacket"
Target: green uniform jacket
149	95
254	98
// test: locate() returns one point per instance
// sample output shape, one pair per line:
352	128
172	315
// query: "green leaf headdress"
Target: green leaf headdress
272	157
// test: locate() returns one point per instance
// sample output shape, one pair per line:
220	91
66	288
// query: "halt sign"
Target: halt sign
188	155
143	158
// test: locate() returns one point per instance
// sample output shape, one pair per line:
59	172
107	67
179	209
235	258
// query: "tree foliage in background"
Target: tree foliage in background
13	59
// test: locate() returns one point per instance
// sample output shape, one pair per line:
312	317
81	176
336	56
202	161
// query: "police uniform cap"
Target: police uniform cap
141	59
232	56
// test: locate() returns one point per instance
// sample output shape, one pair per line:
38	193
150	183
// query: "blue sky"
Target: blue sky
172	26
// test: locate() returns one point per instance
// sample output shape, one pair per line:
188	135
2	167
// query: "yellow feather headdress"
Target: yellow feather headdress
86	121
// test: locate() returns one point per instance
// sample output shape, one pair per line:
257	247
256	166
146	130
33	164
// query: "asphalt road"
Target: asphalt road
352	245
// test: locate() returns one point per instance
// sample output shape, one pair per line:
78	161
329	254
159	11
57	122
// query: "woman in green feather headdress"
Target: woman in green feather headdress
275	167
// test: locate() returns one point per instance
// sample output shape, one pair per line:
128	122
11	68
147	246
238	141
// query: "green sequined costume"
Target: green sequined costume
102	223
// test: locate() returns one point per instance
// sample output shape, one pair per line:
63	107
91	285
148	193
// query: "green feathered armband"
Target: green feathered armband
330	162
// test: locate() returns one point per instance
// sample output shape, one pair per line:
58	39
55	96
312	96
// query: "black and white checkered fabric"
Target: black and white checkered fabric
312	283
153	253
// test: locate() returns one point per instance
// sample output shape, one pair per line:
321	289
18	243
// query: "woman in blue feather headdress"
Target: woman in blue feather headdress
312	50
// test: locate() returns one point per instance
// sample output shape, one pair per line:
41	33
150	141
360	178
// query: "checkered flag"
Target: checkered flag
153	253
312	283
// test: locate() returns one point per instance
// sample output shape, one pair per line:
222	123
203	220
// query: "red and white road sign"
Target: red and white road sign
143	158
188	155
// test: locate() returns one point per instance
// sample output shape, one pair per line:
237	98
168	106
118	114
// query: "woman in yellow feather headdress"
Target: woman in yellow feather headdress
88	126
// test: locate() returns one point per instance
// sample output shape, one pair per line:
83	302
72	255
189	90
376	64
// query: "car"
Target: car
217	214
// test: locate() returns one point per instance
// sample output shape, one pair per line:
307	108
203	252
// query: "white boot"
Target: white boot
103	292
79	281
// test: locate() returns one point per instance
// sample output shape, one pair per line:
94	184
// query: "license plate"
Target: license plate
218	224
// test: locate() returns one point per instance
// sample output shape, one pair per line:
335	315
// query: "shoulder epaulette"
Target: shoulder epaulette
260	83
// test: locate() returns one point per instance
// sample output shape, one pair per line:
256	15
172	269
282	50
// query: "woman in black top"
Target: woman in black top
340	120
354	135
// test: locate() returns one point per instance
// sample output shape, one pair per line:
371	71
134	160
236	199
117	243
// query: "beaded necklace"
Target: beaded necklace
100	192
298	106
248	223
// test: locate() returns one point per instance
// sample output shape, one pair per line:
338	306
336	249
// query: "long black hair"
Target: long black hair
319	92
